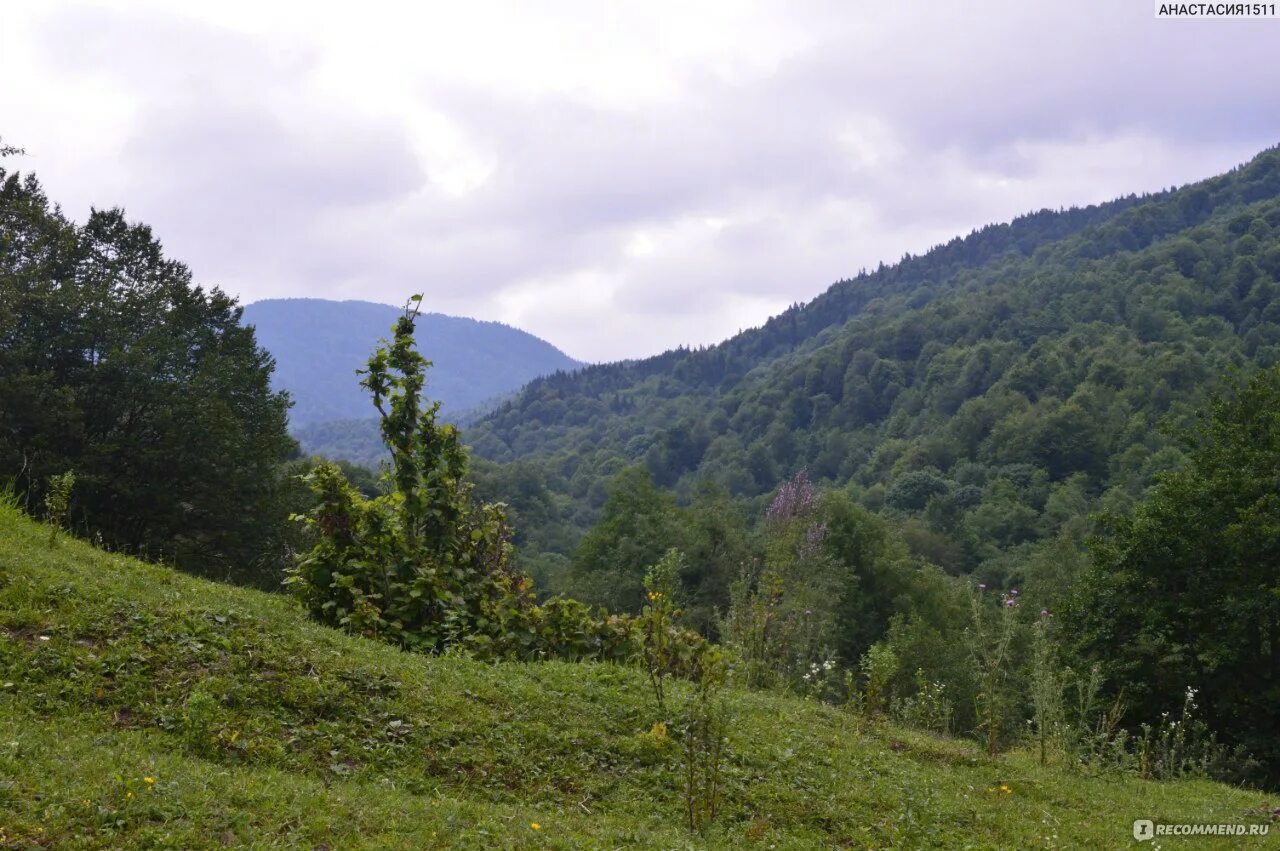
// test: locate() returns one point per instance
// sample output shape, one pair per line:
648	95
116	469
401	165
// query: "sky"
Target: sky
616	177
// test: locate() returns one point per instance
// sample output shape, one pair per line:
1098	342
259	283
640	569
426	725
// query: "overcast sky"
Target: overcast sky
615	177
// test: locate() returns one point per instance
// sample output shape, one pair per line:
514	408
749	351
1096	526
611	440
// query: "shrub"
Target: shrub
57	501
781	615
879	665
424	566
657	622
928	709
991	636
705	745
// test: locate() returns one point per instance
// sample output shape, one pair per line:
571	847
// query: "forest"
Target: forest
1020	489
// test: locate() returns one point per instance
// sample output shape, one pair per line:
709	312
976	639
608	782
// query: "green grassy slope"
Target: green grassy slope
143	708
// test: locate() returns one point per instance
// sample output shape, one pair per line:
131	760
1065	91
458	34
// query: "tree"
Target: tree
638	525
1185	592
425	565
115	364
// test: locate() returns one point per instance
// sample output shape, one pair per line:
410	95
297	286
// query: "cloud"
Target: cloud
618	178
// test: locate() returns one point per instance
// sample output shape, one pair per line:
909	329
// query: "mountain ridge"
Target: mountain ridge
712	368
319	344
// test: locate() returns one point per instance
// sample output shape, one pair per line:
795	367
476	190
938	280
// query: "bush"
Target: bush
424	565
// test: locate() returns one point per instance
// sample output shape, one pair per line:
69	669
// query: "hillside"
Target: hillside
989	373
143	707
318	345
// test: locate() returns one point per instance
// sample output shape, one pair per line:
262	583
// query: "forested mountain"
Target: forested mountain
319	344
985	394
1017	418
882	500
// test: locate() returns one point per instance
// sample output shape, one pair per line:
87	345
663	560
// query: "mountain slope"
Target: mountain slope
318	345
1054	345
142	707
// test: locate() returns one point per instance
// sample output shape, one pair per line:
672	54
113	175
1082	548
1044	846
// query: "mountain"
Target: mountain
319	344
142	707
987	394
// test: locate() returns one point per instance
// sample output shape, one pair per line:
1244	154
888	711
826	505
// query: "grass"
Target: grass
140	707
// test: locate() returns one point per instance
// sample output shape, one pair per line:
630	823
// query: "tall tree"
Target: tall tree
638	525
1185	592
115	364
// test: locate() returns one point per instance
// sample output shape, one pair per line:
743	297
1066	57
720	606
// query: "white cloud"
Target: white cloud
618	178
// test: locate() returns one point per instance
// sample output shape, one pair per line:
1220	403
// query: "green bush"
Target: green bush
428	567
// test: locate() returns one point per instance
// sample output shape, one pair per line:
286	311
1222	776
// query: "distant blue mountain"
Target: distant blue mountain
319	344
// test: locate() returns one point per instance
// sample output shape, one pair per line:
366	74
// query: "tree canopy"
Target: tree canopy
115	364
1185	592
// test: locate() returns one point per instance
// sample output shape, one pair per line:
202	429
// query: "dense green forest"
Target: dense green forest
984	398
115	364
994	490
974	412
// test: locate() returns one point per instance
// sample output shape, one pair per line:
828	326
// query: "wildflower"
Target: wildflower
150	781
128	795
796	498
1004	787
1044	613
982	586
535	825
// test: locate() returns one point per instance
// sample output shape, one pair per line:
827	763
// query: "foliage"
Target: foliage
658	621
928	709
319	738
114	363
57	501
984	398
426	566
1183	746
780	617
1048	686
1184	593
705	746
421	566
991	644
637	527
878	667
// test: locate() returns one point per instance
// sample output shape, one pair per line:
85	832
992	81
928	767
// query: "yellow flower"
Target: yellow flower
1005	789
128	794
535	825
150	781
